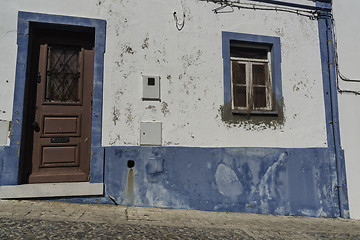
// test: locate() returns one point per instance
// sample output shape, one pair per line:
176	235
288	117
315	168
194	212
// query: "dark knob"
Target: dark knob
36	126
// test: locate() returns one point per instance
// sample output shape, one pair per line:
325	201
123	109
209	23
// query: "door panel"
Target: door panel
55	156
62	123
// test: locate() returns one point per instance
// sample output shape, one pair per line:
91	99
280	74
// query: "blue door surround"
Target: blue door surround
10	171
286	181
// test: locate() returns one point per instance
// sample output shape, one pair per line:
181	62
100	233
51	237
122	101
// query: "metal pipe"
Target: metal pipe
334	113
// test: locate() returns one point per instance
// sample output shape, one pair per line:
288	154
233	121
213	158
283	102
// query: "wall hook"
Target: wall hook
179	26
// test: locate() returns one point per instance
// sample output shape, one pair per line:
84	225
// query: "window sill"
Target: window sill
243	112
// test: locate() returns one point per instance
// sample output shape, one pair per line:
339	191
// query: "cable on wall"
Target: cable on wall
311	14
336	57
179	26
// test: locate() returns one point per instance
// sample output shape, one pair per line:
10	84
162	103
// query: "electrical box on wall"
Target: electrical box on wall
150	133
151	88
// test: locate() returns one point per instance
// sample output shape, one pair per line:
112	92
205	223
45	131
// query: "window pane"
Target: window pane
246	52
62	82
238	73
259	97
259	74
239	96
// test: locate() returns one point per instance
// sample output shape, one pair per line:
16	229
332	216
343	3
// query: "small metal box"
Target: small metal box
150	133
151	88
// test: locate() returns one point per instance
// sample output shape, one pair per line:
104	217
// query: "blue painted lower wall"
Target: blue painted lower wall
9	165
285	181
255	180
282	181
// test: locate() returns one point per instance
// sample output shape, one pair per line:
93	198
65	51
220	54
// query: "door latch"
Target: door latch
36	126
38	78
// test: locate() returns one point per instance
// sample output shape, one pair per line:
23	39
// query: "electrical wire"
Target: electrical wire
310	14
252	6
306	13
336	57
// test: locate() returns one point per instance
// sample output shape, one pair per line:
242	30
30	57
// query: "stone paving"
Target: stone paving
59	220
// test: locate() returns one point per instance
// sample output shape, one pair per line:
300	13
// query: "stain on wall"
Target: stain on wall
227	182
116	114
164	108
252	122
254	180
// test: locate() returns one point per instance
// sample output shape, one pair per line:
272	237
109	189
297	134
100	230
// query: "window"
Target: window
252	77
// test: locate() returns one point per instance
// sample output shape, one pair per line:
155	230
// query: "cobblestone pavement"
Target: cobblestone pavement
59	220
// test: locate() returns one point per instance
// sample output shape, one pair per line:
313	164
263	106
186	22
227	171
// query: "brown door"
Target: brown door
62	122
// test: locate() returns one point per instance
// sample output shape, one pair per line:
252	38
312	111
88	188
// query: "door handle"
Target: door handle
36	126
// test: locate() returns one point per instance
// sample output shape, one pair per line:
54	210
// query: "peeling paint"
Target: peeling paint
158	195
151	107
117	139
116	114
169	78
128	49
164	108
146	43
267	190
255	180
129	117
304	87
227	182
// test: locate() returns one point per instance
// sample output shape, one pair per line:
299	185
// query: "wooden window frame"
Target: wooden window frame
249	62
230	42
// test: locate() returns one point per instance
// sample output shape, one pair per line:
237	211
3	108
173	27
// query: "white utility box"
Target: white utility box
150	133
151	88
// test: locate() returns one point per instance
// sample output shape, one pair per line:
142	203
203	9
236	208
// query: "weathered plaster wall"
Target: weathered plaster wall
4	131
348	36
204	163
258	180
189	62
283	181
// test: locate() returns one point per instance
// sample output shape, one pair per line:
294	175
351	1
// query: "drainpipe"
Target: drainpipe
342	196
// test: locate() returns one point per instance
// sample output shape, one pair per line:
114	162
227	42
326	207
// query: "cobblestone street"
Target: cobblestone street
58	220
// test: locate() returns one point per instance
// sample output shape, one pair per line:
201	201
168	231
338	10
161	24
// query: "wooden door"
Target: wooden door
62	123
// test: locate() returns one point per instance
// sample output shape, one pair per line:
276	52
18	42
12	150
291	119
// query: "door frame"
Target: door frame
14	165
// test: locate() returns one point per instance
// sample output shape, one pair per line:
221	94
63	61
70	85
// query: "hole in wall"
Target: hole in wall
151	81
131	163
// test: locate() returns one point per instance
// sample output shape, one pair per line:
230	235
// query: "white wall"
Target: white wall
4	131
142	40
348	35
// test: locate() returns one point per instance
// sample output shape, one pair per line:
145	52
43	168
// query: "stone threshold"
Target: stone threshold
51	190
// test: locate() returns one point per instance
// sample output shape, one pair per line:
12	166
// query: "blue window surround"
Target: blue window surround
275	62
11	164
